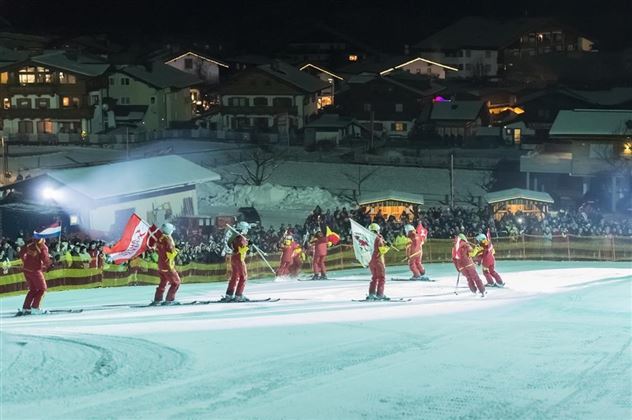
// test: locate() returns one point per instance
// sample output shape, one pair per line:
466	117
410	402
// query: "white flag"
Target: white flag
363	242
132	243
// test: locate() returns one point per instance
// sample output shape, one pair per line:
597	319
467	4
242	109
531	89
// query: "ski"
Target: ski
207	302
403	279
390	300
51	312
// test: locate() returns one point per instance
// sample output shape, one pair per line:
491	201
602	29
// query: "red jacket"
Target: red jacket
320	246
487	255
287	252
461	258
239	245
415	244
35	256
166	253
376	257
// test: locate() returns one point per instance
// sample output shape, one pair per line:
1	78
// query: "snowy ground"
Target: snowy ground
554	344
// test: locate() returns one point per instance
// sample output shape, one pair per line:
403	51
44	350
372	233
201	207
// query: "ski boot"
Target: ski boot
382	297
323	277
155	303
227	298
424	278
415	278
22	312
371	296
170	302
241	298
501	284
315	277
483	294
38	311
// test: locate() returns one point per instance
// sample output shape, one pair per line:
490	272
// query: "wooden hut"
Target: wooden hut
390	203
516	200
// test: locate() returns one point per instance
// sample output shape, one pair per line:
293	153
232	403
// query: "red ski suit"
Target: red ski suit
414	252
464	264
35	258
167	268
488	261
377	267
239	273
320	252
287	258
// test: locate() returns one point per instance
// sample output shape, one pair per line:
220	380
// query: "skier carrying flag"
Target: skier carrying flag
484	254
414	250
377	265
35	258
167	252
464	264
239	273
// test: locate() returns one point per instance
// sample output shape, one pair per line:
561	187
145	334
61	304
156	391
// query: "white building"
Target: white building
202	67
101	198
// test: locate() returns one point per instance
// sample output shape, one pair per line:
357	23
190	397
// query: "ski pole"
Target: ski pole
458	277
410	256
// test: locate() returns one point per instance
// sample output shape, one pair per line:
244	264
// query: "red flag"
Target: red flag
133	242
153	236
332	236
421	230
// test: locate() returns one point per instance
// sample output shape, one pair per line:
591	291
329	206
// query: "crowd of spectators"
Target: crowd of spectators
440	222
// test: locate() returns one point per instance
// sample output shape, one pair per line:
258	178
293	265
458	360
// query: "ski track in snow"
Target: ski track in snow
553	344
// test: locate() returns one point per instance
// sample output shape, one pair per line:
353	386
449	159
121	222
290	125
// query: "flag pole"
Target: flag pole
59	241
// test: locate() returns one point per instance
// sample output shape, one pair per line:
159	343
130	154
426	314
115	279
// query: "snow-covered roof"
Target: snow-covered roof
133	177
294	76
518	193
592	122
375	197
81	64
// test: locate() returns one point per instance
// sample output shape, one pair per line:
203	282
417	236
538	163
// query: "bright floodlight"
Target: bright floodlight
51	194
519	219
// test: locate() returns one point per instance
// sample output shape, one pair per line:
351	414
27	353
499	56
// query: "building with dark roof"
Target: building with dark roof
275	97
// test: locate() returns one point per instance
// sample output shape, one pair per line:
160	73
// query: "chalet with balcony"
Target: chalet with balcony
275	98
588	152
51	95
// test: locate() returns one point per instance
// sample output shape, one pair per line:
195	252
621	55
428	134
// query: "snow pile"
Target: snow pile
269	196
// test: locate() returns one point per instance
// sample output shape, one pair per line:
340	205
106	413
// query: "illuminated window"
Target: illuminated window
517	135
4	78
353	57
65	101
398	126
45	127
6	103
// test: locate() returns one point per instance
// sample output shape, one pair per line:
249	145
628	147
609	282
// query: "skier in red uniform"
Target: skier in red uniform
464	264
167	252
484	254
238	244
414	251
35	258
320	244
377	266
287	256
298	256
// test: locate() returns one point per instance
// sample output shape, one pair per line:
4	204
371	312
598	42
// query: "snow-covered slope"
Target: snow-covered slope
554	344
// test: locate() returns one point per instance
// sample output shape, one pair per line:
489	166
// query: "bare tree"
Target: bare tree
259	167
358	179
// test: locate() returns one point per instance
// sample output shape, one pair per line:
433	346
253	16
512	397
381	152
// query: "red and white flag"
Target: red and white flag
132	243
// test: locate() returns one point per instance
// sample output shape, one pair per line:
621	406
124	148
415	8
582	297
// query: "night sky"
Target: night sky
267	24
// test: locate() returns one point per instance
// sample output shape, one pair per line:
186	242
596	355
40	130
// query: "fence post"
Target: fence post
614	257
568	246
524	250
342	260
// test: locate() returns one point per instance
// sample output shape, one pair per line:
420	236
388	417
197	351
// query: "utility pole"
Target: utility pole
127	143
371	125
451	179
